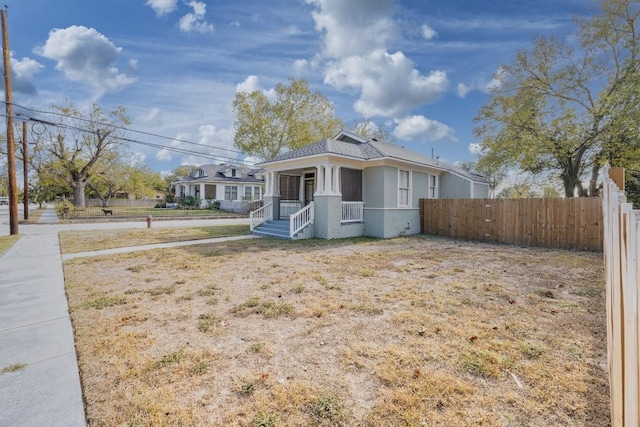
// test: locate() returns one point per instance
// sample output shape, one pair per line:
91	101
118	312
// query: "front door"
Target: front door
309	188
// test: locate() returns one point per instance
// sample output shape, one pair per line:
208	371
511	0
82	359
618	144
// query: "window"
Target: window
230	192
256	193
247	192
433	189
403	189
289	187
233	173
351	185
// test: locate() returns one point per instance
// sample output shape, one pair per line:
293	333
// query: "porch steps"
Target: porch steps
277	228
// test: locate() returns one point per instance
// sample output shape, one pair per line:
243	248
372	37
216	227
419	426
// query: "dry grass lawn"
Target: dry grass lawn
83	241
414	331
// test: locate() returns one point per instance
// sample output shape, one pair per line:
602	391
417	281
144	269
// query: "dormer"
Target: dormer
198	173
350	137
232	172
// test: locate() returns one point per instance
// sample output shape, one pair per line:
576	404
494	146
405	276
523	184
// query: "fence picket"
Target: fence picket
574	223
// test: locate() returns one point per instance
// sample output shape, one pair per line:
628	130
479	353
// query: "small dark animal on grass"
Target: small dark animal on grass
107	211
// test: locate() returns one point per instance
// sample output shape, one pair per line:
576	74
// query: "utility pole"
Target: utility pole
25	163
11	143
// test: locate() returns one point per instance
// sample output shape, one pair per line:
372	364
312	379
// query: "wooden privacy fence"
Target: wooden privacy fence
621	249
572	223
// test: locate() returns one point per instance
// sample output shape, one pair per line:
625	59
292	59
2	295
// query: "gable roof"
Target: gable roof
350	145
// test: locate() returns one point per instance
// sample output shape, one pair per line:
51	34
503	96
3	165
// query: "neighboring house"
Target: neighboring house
349	186
232	186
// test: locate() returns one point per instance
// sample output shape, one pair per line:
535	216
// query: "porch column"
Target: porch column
272	192
202	191
336	181
267	185
327	180
319	181
176	191
276	184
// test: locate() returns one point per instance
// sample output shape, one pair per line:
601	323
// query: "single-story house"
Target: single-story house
351	186
232	186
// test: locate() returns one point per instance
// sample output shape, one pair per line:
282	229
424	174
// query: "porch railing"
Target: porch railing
352	211
289	207
261	215
301	219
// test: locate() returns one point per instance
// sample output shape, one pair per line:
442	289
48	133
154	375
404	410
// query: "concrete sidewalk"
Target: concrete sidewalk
35	330
35	327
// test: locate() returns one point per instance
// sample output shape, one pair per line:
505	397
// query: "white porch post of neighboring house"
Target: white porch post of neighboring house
202	195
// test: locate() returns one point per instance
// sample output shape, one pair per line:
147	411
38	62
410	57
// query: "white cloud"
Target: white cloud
300	66
475	148
22	71
85	55
427	32
162	7
216	144
195	22
421	129
481	84
249	84
389	84
153	118
164	155
356	35
462	90
355	26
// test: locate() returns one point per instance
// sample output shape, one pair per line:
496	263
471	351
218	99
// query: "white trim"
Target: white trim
407	188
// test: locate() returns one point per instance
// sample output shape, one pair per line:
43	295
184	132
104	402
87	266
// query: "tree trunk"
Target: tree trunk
78	193
593	183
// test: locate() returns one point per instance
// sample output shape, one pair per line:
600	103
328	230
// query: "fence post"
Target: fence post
617	175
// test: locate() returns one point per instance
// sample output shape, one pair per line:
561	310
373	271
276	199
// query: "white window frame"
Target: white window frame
248	189
433	186
257	193
230	187
402	189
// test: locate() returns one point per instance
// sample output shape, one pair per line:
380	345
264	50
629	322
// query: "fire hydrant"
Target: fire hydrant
149	220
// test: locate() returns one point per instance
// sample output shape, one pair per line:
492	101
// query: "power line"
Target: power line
217	157
123	128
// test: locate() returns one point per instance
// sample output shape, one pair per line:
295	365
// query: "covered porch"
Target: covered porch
325	197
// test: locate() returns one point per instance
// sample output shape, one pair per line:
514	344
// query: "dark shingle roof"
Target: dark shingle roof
215	173
369	150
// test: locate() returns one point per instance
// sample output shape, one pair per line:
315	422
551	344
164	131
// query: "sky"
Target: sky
420	68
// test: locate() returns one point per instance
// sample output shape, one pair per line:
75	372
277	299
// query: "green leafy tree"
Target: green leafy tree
136	179
295	117
80	145
518	191
494	175
371	130
567	110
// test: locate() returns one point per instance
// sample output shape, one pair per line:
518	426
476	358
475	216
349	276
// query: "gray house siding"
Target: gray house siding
454	187
419	188
480	191
373	187
382	218
386	223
